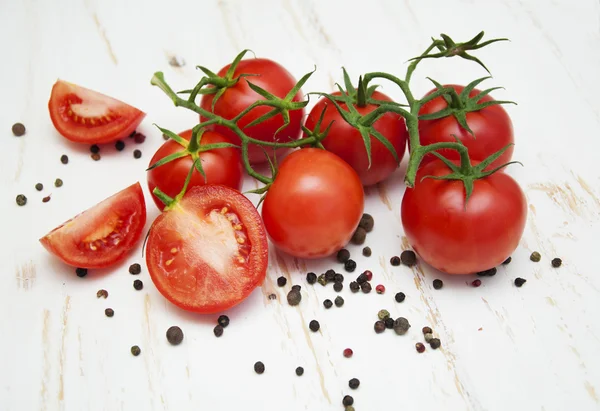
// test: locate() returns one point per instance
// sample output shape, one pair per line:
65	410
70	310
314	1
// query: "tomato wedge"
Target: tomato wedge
86	116
209	251
102	235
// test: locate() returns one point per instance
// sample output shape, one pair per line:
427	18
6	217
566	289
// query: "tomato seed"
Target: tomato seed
520	281
95	149
21	200
39	186
314	326
435	343
102	293
428	337
327	303
218	330
46	199
138	285
383	314
401	325
366	287
535	257
408	258
437	284
379	327
395	261
354	383
556	262
135	350
380	288
339	301
109	312
350	265
330	275
297	287
137	154
427	330
259	367
347	401
359	236
223	321
18	129
389	323
81	272
507	261
135	269
281	281
367	251
311	278
476	283
64	159
174	335
58	182
139	138
367	222
343	255
399	297
299	371
348	352
354	286
120	145
337	286
294	297
420	347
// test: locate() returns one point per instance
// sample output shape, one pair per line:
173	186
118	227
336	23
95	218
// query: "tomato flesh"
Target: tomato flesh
208	252
86	116
102	235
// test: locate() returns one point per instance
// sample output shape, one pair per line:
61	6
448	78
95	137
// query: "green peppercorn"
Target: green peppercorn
21	200
314	326
428	337
339	301
299	371
281	281
354	287
408	258
367	251
327	303
359	236
379	326
18	129
437	284
337	287
294	297
223	321
366	287
354	383
395	261
135	269
401	325
350	265
218	330
109	312
556	262
81	272
520	281
311	278
367	222
259	367
343	255
58	182
535	257
174	335
435	343
138	285
135	350
349	408
383	314
322	280
399	297
39	186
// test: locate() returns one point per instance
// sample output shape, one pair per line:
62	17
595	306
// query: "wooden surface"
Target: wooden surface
503	348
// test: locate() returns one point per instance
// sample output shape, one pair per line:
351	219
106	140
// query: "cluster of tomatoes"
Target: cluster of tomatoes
208	248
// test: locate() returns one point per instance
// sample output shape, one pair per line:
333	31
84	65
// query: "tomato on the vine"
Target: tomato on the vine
86	116
220	165
271	77
102	235
314	205
207	252
463	239
346	141
491	126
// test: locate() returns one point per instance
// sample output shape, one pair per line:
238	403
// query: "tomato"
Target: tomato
456	240
314	204
271	77
86	116
347	142
492	128
209	251
221	166
102	235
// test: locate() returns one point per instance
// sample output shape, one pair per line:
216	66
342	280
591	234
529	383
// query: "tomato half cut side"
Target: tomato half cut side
208	252
86	116
103	234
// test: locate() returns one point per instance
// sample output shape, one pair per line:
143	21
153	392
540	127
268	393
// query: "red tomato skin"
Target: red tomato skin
346	141
314	205
275	79
459	241
125	118
69	248
195	200
221	166
492	127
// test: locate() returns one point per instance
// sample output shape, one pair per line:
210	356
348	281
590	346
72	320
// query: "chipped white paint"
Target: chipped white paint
504	348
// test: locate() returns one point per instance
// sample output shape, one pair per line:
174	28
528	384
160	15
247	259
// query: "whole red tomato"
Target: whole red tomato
221	166
459	240
491	125
347	142
314	205
271	77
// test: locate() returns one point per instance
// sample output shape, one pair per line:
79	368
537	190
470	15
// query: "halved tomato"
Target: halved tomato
209	251
86	116
102	235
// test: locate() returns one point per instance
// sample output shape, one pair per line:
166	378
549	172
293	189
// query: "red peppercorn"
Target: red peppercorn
348	352
476	283
380	289
420	347
369	275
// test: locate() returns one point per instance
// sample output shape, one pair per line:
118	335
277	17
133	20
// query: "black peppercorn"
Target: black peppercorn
294	297
354	383
435	343
297	287
367	251
81	272
138	285
339	301
94	148
347	401
359	236
366	287
338	278
174	335
64	159
367	222
535	257
137	153
379	327
223	321
362	278
520	281
314	326
507	261
135	269
488	273
109	312
399	297
556	262
18	129
299	371
272	296
281	281
354	286
259	367
408	257
389	323
120	145
337	287
343	255
39	186
437	284
327	303
311	278
350	265
329	275
135	350
218	330
395	260
21	200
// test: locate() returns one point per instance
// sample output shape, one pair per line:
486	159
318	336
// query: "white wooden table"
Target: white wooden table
503	348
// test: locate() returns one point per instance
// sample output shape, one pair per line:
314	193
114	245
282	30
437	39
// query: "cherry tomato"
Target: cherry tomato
102	235
314	204
492	128
276	80
209	251
456	240
221	166
347	142
86	116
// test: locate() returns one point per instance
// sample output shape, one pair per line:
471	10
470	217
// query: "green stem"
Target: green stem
418	153
413	65
400	83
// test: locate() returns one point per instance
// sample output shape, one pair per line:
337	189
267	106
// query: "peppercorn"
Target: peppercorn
383	314
281	281
366	287
380	288
389	323
337	287
507	261
109	312
338	278
314	326
272	296
428	337
435	343
401	325
362	278
174	335
311	278
299	371
408	258
135	269
354	287
58	182
21	200
343	255
81	272
359	236
94	148
95	156
46	199
395	260
138	284
379	327
120	145
535	257
348	352
369	274
347	401
102	293
297	287
39	186
327	303
556	262
476	283
367	222
223	321
135	350
427	330
294	297
18	129
322	280
437	284
520	281
339	301
354	383
350	265
420	347
488	273
259	367
367	251
330	275
399	297
349	408
137	153
218	330
64	159
166	137
139	138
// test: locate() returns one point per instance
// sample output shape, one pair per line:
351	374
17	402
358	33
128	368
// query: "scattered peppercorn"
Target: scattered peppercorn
102	293
343	255
18	129
299	371
380	288
435	343
166	137
223	321
138	285
362	278
354	383
507	261
350	265
420	347
476	283
399	297
135	350
367	222
139	138
354	287
58	182
349	408
379	327
322	280
556	262
347	401
427	330
174	335
327	303
135	269
401	325
294	297
132	134
367	251
428	337
383	314
272	297
366	287
329	275
109	312
520	281
81	272
339	301
535	257
395	260
46	199
389	323
64	159
408	257
359	236
281	281
338	278
94	148
21	200
137	153
39	186
95	157
218	330
337	287
488	273
437	284
259	367
311	278
120	145
297	287
369	275
314	326
348	352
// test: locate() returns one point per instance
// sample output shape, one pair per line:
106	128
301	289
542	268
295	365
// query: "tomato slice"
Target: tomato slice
86	116
102	235
208	252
